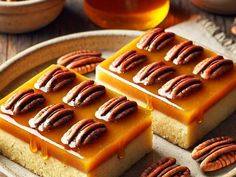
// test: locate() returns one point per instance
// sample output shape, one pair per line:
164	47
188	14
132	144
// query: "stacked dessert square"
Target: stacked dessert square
80	127
189	89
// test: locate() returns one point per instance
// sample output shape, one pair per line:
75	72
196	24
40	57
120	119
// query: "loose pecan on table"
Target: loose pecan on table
180	86
84	93
51	117
116	109
166	167
183	53
213	67
55	80
155	40
83	132
216	153
154	72
127	61
82	61
22	101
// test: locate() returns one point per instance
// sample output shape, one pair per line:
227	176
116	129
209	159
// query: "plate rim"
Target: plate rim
64	38
15	63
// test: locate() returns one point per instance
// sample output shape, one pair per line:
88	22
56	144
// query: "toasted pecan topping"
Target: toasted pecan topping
155	40
180	86
216	153
51	117
166	167
154	72
213	67
83	132
22	101
127	61
55	80
116	109
82	61
84	93
183	53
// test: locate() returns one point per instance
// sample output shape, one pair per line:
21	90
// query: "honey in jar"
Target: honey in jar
127	14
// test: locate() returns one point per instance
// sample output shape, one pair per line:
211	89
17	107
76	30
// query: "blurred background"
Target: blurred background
73	19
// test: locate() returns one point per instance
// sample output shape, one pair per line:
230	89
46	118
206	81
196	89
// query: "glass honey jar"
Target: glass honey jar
127	14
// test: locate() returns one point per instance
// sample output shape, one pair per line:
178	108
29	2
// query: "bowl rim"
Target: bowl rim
23	3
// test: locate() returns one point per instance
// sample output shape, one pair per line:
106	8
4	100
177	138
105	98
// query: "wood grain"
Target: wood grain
73	19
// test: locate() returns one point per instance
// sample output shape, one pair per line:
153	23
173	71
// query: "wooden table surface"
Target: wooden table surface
73	19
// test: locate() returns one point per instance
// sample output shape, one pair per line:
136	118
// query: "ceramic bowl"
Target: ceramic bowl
28	15
227	7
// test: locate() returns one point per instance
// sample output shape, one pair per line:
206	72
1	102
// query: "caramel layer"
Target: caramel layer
86	158
187	109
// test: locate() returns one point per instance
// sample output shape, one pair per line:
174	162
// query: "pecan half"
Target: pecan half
55	80
127	61
51	117
213	67
83	132
22	101
180	86
116	109
82	61
216	153
155	40
154	72
84	93
166	167
183	53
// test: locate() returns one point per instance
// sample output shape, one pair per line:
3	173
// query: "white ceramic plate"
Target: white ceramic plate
31	61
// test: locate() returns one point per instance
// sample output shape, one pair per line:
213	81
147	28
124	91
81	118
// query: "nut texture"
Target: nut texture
23	101
153	73
83	132
84	93
183	53
82	61
155	40
51	117
127	61
55	80
116	109
166	167
216	153
180	87
213	67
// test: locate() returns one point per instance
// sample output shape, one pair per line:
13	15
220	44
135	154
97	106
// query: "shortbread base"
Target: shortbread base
19	151
187	135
